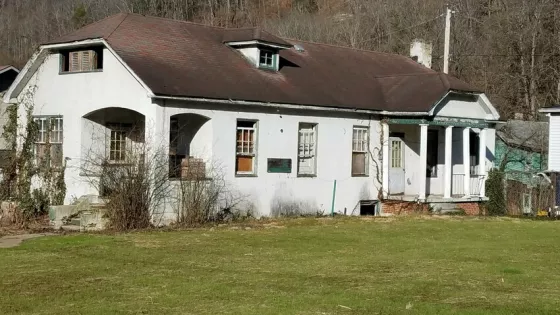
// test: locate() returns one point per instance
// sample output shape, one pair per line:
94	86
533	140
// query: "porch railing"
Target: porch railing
458	184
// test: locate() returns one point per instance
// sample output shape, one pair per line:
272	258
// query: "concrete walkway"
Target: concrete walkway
16	240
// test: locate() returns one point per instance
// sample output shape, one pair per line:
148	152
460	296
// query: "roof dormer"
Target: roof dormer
259	47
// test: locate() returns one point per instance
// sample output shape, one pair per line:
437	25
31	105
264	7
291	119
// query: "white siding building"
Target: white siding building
286	127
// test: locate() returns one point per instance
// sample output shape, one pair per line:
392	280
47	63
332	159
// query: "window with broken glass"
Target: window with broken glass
360	146
50	135
246	151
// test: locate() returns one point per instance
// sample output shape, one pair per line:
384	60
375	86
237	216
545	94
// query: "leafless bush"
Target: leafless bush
205	196
134	183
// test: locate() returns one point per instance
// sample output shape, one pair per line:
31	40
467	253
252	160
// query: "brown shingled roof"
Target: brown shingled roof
176	58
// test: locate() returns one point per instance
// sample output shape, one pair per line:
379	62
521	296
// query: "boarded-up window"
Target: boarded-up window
50	134
307	149
246	151
81	60
360	146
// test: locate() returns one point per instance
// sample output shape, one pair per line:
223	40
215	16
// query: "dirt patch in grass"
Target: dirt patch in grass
16	240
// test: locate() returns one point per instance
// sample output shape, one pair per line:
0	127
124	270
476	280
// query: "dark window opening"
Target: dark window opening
368	208
474	144
432	158
175	159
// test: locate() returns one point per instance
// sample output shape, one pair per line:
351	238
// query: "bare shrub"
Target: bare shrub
205	196
133	184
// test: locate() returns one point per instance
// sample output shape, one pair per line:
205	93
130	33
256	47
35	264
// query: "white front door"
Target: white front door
396	166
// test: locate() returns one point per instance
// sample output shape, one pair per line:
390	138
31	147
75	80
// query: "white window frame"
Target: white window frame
397	154
124	131
246	149
273	58
360	144
307	148
46	135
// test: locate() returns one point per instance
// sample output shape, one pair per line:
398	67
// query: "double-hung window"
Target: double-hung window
307	149
246	147
50	134
360	147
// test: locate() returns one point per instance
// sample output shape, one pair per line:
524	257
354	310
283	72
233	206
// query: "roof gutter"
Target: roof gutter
290	106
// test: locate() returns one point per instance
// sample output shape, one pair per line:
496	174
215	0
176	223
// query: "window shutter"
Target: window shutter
86	60
94	61
74	61
63	63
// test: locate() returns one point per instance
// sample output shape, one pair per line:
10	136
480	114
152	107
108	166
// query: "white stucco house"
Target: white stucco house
313	125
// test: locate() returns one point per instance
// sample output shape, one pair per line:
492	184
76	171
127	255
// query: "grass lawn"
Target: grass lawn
304	266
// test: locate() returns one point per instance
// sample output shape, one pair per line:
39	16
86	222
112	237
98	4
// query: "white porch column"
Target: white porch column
385	162
482	161
423	161
466	162
448	171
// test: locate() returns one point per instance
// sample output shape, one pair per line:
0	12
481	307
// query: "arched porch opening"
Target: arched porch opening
111	135
190	145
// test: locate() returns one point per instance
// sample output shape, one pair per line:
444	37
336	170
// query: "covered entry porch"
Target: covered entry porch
435	160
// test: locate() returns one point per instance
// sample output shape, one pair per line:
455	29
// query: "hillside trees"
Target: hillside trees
508	48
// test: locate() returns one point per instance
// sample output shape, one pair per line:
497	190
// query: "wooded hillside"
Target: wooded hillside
509	48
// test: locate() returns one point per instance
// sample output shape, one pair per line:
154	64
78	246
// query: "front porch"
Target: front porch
435	161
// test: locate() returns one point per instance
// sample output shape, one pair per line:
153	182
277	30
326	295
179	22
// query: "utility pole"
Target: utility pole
447	40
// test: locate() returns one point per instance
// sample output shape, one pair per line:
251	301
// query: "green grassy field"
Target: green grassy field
304	266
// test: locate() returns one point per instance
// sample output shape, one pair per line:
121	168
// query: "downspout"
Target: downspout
333	198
